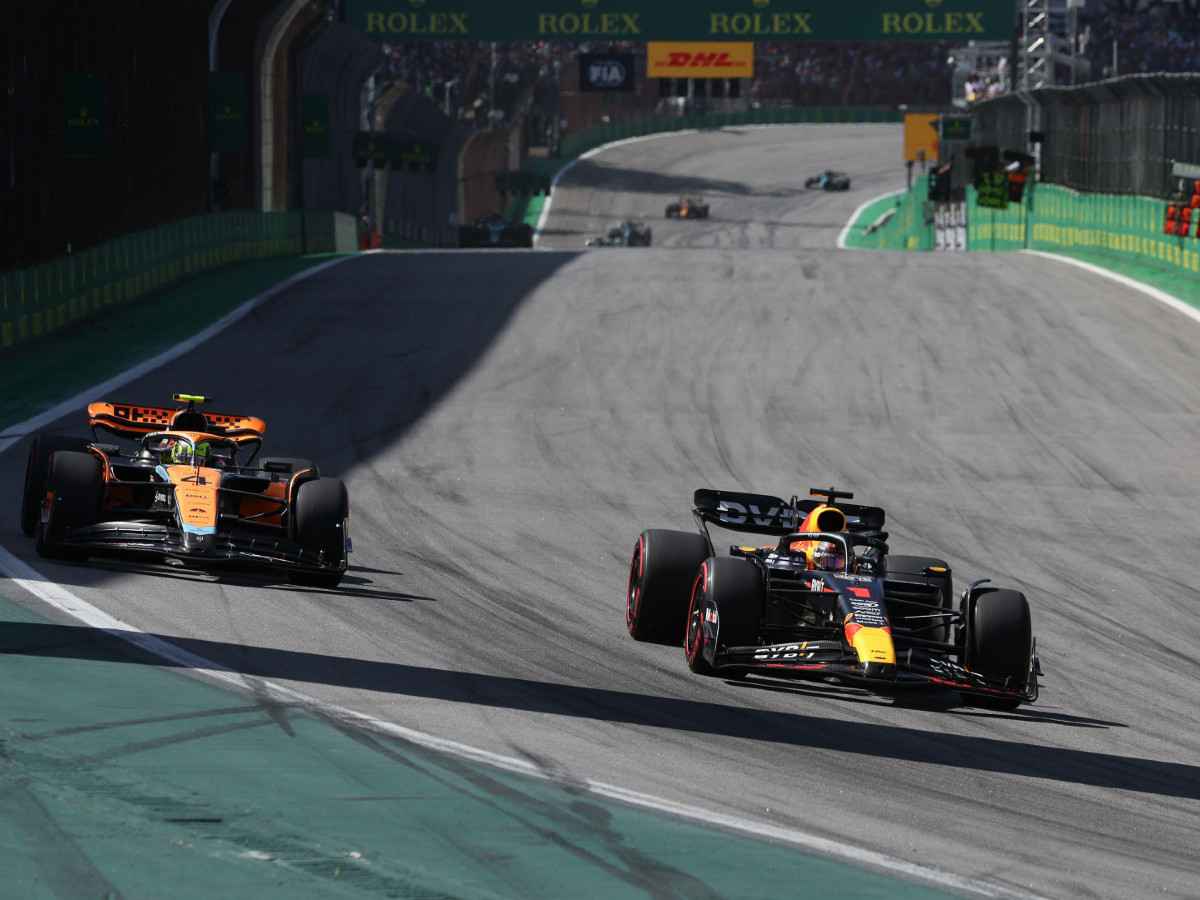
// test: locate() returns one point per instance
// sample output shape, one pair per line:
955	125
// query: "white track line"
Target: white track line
541	223
61	599
1149	290
845	233
14	434
64	601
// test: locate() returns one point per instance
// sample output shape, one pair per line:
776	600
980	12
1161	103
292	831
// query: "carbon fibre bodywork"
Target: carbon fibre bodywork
203	507
891	630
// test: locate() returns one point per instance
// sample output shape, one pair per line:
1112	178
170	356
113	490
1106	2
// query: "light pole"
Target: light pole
492	87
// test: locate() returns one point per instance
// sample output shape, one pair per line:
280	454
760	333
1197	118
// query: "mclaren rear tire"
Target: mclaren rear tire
661	572
76	480
724	610
320	513
999	642
36	468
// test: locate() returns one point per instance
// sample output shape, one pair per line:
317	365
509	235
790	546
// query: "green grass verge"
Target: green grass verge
856	237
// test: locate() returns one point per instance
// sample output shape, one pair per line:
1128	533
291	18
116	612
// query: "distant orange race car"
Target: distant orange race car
187	490
687	208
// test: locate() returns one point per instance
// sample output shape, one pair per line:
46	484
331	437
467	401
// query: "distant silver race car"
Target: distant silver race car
627	234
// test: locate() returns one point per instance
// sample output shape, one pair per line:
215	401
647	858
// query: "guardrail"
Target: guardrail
39	301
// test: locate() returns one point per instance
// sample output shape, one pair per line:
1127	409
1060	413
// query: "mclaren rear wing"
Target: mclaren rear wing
135	419
764	514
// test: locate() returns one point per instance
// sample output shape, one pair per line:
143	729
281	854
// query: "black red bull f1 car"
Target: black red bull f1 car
826	601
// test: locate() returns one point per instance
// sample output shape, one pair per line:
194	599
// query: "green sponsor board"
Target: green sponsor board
381	149
85	133
992	190
228	130
955	128
683	20
314	114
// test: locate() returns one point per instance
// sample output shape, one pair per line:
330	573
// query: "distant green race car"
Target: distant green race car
829	180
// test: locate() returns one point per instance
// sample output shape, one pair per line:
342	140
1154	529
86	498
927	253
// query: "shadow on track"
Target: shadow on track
352	585
1105	770
942	701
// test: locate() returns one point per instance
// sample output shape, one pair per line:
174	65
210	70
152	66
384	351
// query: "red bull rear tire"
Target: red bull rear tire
661	572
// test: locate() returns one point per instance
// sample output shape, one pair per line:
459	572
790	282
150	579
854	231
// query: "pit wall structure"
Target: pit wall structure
39	301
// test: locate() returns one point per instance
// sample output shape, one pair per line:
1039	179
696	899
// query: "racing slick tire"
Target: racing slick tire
36	467
321	509
661	573
730	591
999	642
77	480
912	568
672	211
293	464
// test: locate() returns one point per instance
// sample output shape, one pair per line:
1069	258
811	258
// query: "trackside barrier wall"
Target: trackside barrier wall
1119	136
42	300
576	144
1055	218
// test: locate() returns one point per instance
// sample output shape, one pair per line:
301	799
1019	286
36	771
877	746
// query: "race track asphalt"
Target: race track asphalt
508	422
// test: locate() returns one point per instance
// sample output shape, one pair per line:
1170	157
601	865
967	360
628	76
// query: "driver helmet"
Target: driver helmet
179	453
827	556
182	453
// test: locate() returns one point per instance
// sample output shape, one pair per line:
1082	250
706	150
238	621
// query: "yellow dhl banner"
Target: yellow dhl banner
706	59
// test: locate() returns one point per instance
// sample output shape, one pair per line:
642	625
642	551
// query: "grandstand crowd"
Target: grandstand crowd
1149	36
852	74
1157	37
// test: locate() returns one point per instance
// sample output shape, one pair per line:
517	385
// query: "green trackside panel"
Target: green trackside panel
314	112
86	124
1119	230
228	122
44	299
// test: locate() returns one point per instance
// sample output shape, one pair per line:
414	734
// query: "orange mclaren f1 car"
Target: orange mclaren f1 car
187	490
826	601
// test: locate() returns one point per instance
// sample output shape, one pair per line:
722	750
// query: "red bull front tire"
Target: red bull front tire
998	643
724	610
